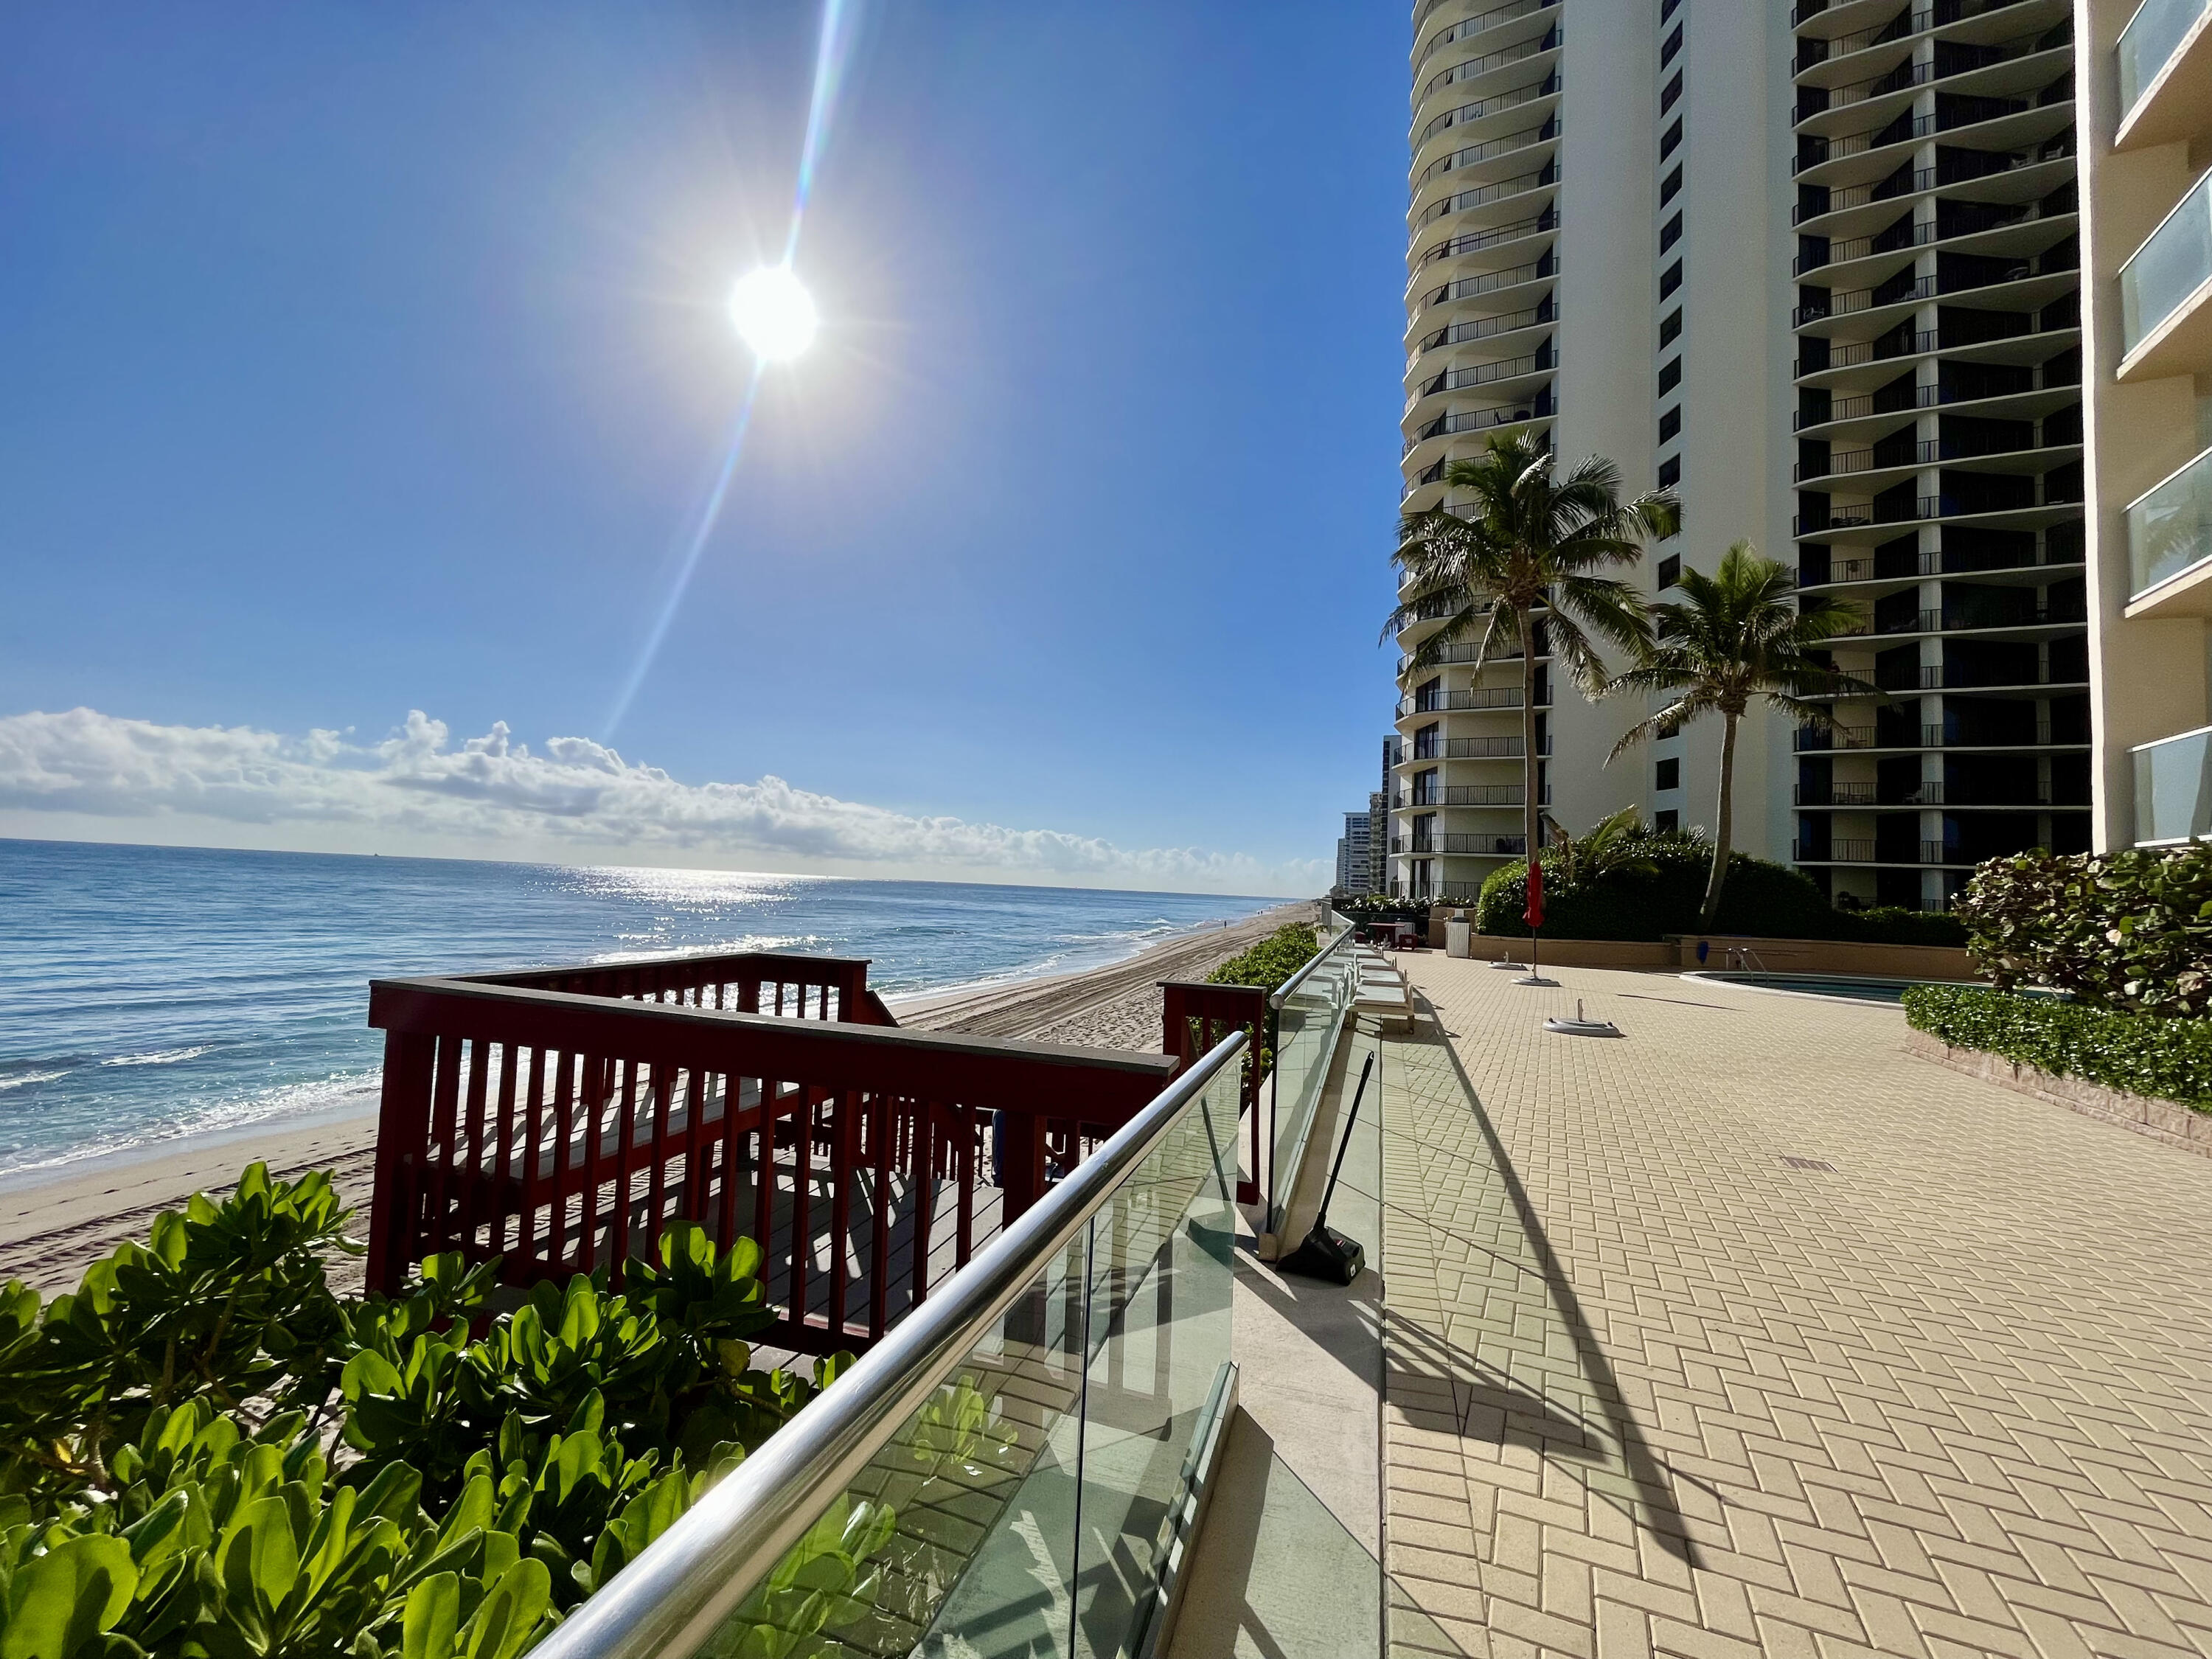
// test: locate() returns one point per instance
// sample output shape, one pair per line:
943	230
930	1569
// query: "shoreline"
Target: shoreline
56	1221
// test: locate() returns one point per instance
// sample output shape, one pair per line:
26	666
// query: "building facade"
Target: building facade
1355	874
1817	269
2145	72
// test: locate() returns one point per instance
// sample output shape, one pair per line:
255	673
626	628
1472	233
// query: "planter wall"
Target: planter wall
2166	1121
1827	955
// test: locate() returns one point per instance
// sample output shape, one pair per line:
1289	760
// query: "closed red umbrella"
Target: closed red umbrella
1534	915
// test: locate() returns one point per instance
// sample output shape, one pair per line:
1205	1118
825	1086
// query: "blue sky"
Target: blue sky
362	359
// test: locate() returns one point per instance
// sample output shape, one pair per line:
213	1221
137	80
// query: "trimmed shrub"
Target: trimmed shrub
1654	885
2130	930
2148	1054
1892	924
1272	961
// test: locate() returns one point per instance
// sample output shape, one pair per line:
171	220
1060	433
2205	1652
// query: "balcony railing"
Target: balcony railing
967	1487
556	1120
1468	27
2175	260
1498	104
1475	749
1912	565
1909	509
1458	380
2173	789
1463	846
1927	452
1470	794
1442	702
1488	150
1814	740
1503	191
1901	26
1480	420
1925	397
1930	793
1481	328
2170	526
1859	851
1967	60
1469	69
2148	41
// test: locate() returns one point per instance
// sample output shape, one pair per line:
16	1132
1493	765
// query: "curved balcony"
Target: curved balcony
1452	654
1489	62
1906	458
1490	149
1474	288
1969	227
1482	109
1492	846
1844	364
1911	569
1476	242
1475	374
1482	196
1482	328
1470	794
1482	420
2042	126
2034	283
2042	392
1467	27
1886	520
1827	59
1867	739
2006	177
1464	749
2001	70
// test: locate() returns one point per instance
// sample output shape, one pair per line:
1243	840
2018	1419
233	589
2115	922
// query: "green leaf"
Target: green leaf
431	1618
511	1613
60	1601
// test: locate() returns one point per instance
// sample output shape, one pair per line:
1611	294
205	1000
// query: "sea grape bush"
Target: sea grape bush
1271	962
2126	930
206	1453
2137	1054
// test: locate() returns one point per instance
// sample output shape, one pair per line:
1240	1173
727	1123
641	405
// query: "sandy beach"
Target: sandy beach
51	1231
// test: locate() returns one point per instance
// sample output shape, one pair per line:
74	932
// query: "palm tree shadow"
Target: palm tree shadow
1535	1427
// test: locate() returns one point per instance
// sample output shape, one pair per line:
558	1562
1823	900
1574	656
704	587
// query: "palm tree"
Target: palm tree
1739	637
1530	541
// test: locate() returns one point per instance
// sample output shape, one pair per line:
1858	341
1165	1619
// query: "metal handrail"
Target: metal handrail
672	1599
1276	998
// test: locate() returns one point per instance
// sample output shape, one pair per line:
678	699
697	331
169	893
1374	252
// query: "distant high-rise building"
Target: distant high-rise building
1814	268
1354	856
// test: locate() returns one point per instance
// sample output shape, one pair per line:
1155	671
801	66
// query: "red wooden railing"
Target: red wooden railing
1195	1017
559	1129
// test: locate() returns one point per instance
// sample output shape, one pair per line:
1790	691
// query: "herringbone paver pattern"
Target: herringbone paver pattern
1654	1389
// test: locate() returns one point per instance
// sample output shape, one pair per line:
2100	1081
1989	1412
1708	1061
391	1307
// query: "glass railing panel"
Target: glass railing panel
1308	1014
2148	41
2170	526
1162	1277
2173	789
953	1521
2171	264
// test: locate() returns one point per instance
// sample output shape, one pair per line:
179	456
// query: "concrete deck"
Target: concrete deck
1748	1333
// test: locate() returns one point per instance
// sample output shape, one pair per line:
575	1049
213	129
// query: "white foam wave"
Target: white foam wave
28	1078
280	1106
160	1057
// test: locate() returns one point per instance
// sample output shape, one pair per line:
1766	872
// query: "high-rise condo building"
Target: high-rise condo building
1590	258
1938	424
1815	268
2146	76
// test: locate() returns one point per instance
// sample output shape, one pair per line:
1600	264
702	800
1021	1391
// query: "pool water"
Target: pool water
1850	988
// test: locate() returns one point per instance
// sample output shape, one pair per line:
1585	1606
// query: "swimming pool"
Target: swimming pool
1847	987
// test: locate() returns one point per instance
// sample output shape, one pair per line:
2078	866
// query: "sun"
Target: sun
774	314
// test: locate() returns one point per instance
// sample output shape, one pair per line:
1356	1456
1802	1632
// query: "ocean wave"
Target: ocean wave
160	1057
276	1107
26	1078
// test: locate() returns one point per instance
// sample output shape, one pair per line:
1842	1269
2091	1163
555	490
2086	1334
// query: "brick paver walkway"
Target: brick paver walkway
1654	1388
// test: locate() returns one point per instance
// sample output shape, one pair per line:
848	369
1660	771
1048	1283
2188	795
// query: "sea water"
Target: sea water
149	992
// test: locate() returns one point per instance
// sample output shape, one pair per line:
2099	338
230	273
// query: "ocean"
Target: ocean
148	993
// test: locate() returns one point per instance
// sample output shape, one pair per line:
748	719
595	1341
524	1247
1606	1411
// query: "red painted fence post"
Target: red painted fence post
402	1144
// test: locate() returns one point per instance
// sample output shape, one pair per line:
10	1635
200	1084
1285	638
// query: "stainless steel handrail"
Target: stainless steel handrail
1299	978
670	1600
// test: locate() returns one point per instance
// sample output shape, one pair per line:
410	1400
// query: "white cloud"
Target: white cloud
491	796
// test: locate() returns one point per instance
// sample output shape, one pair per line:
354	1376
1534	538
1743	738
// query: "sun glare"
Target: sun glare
774	314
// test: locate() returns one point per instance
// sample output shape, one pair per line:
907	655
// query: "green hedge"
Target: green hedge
2140	1054
1656	887
1272	961
2130	930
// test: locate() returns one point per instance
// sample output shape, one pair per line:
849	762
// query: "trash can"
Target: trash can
1459	935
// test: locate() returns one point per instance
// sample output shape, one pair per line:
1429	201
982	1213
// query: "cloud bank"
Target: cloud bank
492	797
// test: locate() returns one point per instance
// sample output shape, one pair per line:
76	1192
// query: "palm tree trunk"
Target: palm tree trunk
1723	826
1531	767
